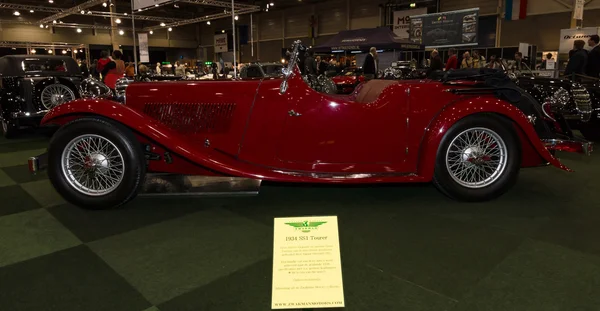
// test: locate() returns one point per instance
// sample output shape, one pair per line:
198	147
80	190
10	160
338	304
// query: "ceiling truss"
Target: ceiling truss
204	18
71	11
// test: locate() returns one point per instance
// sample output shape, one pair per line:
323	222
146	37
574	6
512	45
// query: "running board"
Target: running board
199	186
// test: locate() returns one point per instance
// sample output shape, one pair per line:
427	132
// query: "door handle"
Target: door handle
292	113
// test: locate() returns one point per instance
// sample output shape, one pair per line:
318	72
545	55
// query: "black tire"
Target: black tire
445	182
122	138
9	129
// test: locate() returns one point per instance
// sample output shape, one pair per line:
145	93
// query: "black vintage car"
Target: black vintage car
31	85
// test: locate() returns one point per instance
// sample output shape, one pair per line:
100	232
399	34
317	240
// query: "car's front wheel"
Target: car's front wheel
478	159
95	163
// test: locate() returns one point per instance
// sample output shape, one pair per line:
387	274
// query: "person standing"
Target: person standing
478	60
452	62
84	69
578	61
467	61
130	70
310	63
370	65
102	62
114	70
494	63
93	71
158	70
593	66
436	64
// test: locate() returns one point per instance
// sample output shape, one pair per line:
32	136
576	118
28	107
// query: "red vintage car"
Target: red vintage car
347	80
466	136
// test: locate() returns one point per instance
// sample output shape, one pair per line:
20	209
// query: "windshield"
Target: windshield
46	65
272	70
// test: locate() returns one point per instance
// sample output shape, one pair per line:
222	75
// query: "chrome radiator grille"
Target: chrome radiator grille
583	104
192	118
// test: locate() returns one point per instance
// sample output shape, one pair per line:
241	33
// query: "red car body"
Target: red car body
247	128
347	81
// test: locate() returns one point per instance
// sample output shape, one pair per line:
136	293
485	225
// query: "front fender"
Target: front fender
456	111
153	130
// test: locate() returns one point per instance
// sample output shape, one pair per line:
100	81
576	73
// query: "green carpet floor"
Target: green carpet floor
403	248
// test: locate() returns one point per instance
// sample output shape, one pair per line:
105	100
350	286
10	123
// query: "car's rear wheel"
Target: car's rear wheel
95	163
478	159
56	94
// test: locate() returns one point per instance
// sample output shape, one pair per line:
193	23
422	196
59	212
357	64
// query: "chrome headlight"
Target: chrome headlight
120	88
92	88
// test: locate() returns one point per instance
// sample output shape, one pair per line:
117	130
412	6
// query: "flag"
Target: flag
515	9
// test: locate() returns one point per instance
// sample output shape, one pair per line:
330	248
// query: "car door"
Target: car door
333	134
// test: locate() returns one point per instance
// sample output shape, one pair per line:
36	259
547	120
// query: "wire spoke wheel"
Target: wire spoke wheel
56	94
92	165
476	157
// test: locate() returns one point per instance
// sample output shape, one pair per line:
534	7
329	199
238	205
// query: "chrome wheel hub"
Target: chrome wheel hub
92	165
476	158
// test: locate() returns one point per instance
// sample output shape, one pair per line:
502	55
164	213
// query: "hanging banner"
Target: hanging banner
568	37
142	4
578	9
447	29
401	21
221	43
143	46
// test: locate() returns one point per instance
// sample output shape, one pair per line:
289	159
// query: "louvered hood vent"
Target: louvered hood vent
192	118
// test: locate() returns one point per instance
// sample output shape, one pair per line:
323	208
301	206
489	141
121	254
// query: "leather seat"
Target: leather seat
370	91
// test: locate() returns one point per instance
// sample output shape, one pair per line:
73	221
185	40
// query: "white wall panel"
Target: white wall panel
485	6
297	21
332	16
270	25
537	7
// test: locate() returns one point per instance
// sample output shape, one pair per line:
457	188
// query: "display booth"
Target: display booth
358	42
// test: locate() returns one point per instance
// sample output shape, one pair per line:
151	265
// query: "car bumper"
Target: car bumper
38	163
577	146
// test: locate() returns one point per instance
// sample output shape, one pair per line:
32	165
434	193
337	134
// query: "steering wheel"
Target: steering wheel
289	71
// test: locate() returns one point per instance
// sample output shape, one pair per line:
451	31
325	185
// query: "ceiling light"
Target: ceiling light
118	21
104	4
125	14
16	13
46	26
60	22
64	51
267	5
53	22
156	5
272	4
151	32
49	51
79	30
33	51
413	5
80	50
14	48
31	11
41	25
236	18
170	29
162	24
121	32
112	4
139	10
82	12
208	23
51	1
75	51
176	6
89	12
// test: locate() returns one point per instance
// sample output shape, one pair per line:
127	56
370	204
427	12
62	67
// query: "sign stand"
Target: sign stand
234	40
133	34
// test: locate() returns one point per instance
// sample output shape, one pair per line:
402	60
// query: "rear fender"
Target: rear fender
153	131
454	112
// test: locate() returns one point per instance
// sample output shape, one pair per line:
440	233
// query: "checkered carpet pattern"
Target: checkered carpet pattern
403	247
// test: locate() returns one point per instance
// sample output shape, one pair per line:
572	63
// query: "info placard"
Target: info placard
307	268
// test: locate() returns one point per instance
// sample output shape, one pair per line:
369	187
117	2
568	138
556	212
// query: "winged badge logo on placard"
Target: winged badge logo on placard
306	226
